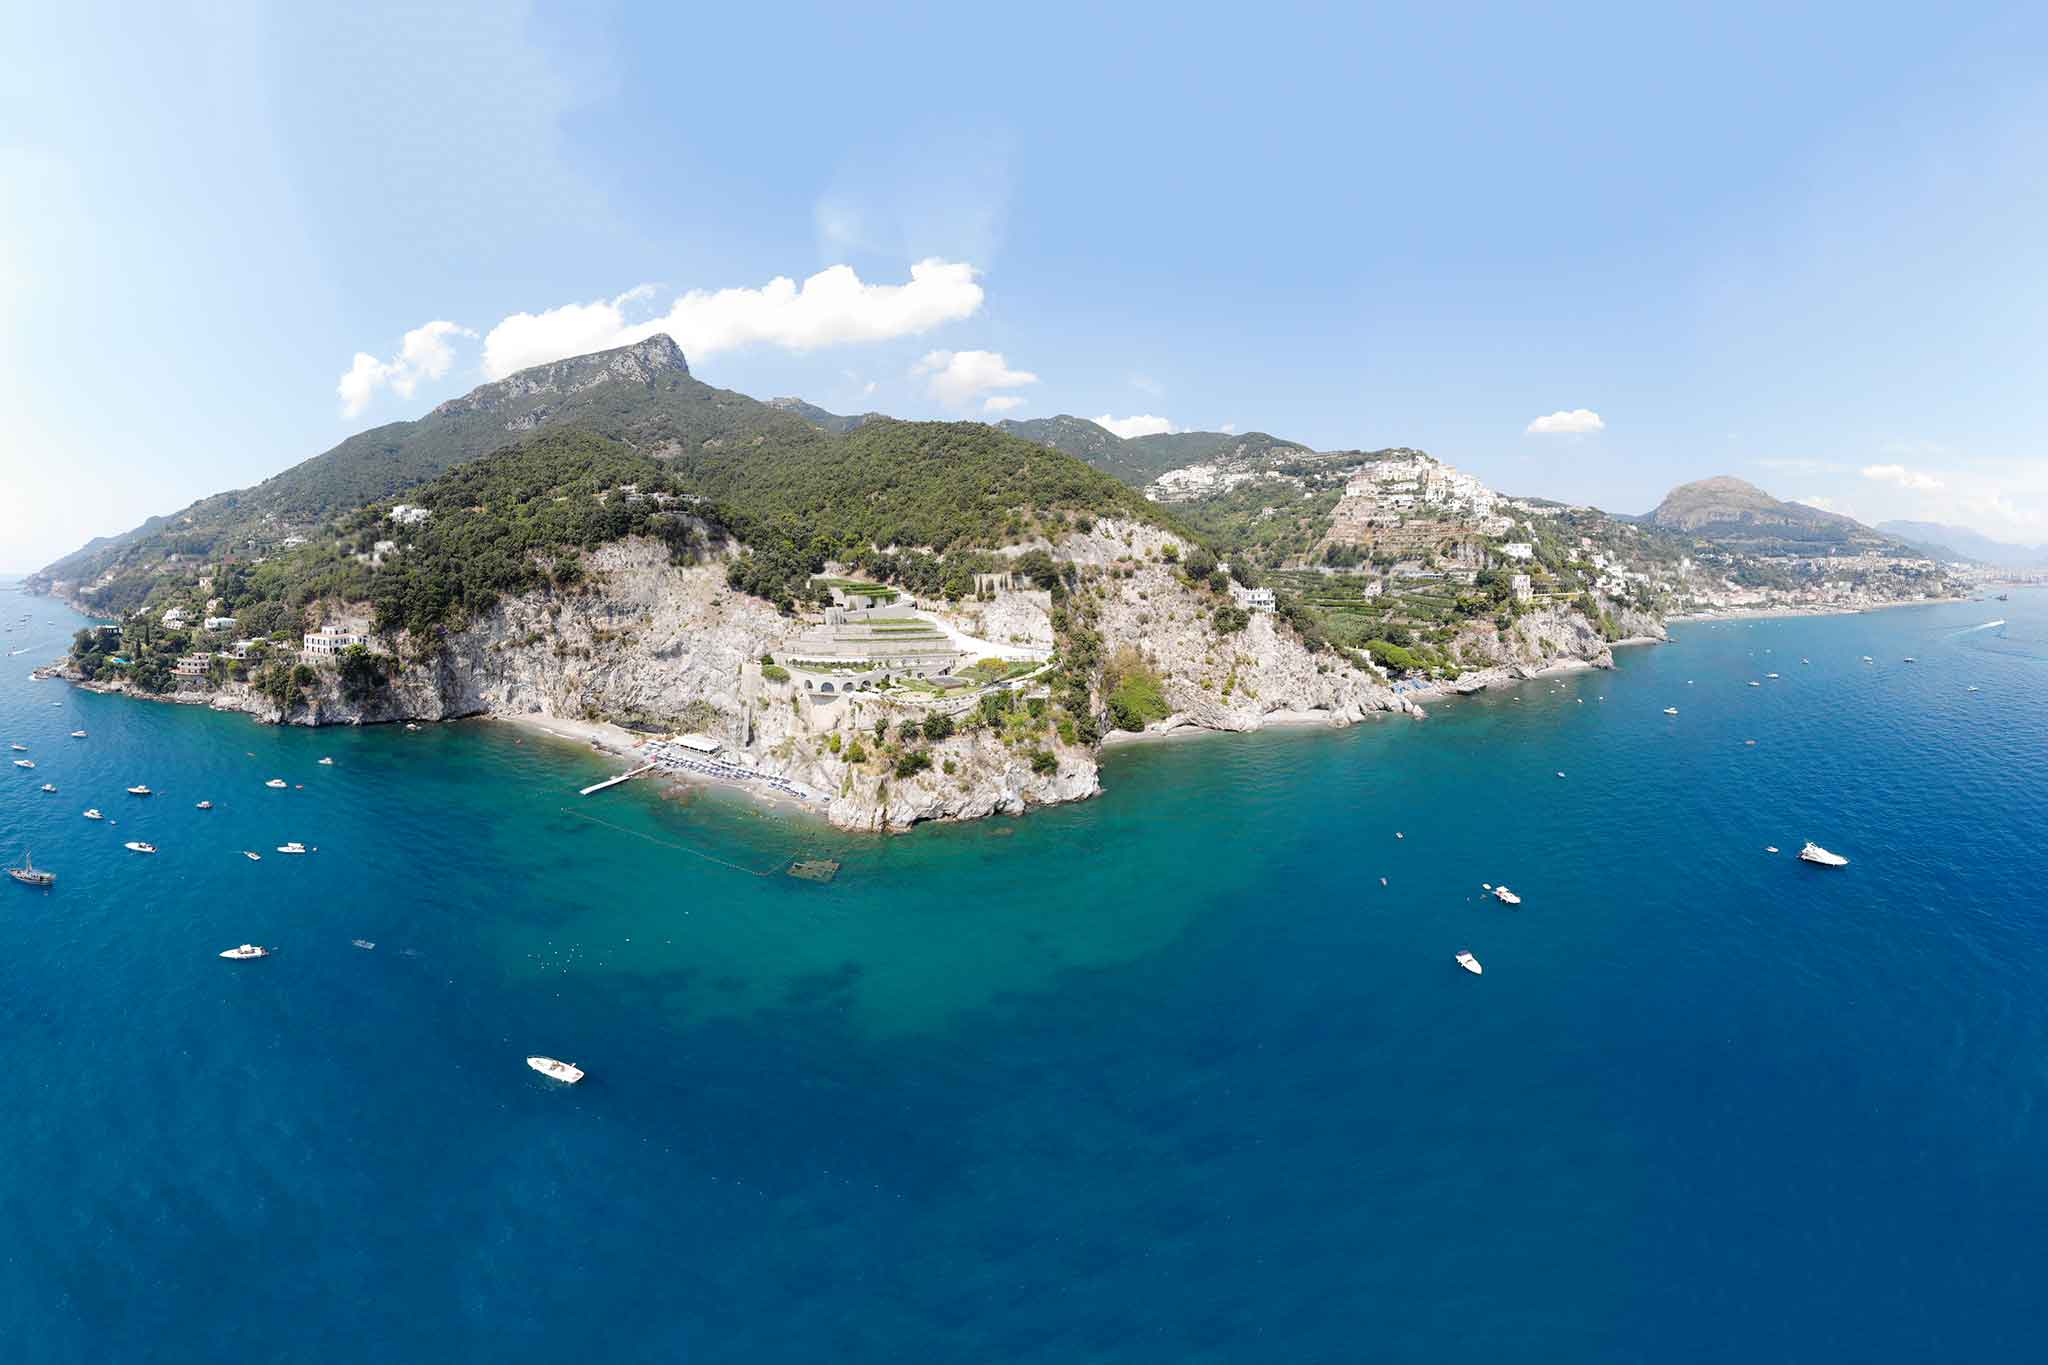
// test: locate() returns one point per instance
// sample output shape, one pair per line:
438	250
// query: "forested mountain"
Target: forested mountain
1742	516
819	418
1138	460
559	438
642	394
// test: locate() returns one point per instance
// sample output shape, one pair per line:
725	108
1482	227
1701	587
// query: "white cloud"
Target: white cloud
1001	403
1228	428
832	307
1902	476
425	353
1143	424
957	378
868	387
1562	422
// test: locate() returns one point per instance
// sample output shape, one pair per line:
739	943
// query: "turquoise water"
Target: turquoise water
1167	1076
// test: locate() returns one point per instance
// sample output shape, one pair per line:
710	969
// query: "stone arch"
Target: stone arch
828	687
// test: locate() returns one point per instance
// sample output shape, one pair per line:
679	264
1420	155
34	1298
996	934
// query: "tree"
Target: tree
937	726
1230	619
362	673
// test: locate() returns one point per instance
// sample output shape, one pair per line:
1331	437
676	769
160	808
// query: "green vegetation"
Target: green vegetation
1135	695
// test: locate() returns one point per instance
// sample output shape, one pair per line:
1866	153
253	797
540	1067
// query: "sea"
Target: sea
1186	1073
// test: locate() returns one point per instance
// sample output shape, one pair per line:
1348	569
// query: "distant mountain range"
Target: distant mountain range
1138	460
1960	542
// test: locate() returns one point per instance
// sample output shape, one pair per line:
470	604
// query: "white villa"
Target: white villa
328	641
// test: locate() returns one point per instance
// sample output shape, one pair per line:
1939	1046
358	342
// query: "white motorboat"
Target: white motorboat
94	814
78	734
1770	675
276	782
293	847
1670	710
1868	659
252	856
1909	659
1770	848
49	786
410	728
138	790
1505	896
204	805
1470	963
1755	684
1560	774
363	943
137	846
24	763
245	952
326	762
19	748
1814	853
556	1071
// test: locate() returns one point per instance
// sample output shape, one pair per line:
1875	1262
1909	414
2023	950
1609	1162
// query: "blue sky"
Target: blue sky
1805	248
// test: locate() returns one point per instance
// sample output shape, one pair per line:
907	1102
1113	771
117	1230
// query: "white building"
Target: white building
1520	549
1524	591
220	623
1374	589
174	619
191	666
329	641
406	515
1254	599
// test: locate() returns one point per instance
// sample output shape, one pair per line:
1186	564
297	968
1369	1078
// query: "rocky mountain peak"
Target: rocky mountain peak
644	362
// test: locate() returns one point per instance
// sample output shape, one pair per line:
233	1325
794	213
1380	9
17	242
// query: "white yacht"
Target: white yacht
252	856
204	805
363	943
293	847
137	846
1470	963
1770	675
1909	659
1770	848
1753	683
326	762
49	786
1505	896
78	734
1670	710
1814	853
93	813
138	790
276	782
19	748
556	1071
246	951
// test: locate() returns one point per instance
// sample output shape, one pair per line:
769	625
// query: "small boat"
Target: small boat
1505	896
1806	661
204	805
1560	774
1972	688
293	847
1909	659
245	952
363	943
1814	853
24	763
139	790
276	783
556	1071
1399	835
28	874
326	762
1756	684
1770	675
1868	659
252	856
78	734
20	748
49	786
1670	710
1770	848
94	814
137	846
410	728
1470	963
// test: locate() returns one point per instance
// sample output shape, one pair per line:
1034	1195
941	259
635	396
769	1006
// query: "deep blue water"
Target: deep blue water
1168	1076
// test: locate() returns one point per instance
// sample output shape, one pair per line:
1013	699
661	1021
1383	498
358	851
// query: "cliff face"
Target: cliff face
645	643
